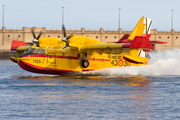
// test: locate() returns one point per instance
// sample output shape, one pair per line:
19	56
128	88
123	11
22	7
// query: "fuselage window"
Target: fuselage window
85	55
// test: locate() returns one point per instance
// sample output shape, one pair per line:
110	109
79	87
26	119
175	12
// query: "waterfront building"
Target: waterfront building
24	34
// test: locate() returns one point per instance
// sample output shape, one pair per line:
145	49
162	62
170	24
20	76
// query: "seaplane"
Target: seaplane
75	54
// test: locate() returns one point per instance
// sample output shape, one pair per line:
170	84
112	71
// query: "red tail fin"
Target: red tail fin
15	44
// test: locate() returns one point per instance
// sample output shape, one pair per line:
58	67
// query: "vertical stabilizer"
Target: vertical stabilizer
142	27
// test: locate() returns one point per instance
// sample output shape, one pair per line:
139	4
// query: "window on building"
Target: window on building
48	35
176	37
96	36
19	36
114	36
168	37
159	37
8	35
59	36
105	36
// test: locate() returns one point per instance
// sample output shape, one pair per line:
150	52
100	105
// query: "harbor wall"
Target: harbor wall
24	34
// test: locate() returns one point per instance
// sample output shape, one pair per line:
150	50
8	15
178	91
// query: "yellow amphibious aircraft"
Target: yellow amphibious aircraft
50	55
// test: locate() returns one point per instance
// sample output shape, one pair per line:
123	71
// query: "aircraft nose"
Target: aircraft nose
24	59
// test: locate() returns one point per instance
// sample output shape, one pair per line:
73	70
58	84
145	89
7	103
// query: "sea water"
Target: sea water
128	93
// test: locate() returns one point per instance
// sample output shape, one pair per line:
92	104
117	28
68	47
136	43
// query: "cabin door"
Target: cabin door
51	58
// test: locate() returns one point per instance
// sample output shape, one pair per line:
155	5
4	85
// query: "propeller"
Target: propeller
36	39
65	38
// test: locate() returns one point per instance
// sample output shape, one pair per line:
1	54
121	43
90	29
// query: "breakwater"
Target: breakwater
5	55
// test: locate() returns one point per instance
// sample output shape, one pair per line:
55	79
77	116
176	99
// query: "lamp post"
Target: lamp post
62	15
172	31
172	19
119	18
3	17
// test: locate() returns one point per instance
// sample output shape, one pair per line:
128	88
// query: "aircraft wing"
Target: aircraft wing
15	44
138	42
105	46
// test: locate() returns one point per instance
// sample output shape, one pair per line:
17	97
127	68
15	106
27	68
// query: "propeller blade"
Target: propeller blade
36	40
69	36
33	34
39	35
64	30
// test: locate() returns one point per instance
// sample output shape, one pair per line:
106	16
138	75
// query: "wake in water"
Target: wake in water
160	63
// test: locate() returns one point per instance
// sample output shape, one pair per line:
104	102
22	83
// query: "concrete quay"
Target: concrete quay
24	34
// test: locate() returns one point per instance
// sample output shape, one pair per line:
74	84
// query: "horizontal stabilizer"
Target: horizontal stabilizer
15	44
158	42
141	42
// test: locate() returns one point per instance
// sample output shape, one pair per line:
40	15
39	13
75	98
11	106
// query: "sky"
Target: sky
90	14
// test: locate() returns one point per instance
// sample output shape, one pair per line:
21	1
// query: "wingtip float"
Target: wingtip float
71	54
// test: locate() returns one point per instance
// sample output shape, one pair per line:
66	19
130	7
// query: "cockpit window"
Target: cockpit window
31	50
26	50
37	51
42	51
